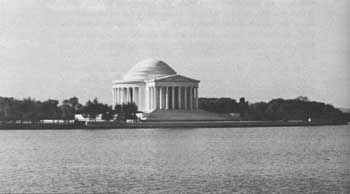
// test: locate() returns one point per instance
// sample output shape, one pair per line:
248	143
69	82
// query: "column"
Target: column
154	97
166	98
122	95
179	96
133	94
191	98
196	100
119	96
147	98
126	90
140	105
113	98
150	98
127	95
185	98
116	97
161	98
173	97
194	97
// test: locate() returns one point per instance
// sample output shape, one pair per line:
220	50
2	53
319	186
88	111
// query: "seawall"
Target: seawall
166	124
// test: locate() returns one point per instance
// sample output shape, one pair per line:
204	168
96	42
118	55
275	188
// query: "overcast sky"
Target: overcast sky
258	49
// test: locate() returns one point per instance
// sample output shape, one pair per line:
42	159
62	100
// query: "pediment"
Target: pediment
175	78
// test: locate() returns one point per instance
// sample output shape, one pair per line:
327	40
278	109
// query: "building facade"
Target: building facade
153	85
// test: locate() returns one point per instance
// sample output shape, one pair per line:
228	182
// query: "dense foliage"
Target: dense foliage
28	109
223	105
126	111
294	109
300	108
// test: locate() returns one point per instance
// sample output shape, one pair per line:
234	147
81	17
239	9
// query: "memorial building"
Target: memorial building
152	84
159	92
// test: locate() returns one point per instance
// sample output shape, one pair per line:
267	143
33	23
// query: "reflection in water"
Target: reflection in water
242	160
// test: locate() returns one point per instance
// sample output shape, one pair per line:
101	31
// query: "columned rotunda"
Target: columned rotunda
153	85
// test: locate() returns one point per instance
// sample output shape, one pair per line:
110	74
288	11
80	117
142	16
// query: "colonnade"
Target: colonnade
175	97
124	95
158	97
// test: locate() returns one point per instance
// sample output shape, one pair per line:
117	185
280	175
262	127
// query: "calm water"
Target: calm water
228	160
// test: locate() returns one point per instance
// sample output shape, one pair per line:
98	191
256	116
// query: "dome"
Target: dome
147	70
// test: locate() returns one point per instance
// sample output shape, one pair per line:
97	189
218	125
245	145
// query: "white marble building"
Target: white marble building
153	85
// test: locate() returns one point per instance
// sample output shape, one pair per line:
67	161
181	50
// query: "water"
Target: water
227	160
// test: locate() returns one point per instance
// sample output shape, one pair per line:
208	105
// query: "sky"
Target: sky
257	49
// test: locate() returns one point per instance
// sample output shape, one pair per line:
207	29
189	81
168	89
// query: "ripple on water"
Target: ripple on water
228	160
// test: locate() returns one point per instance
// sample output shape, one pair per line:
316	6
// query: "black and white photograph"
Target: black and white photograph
175	96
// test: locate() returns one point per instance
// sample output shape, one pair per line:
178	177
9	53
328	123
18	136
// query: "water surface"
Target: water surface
226	160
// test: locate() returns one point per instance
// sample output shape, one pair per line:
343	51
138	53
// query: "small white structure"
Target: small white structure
79	117
153	84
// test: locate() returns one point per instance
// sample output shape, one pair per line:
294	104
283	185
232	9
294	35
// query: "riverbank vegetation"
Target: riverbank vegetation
301	108
35	111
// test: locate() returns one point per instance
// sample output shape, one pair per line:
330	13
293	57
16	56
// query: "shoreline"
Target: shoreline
165	124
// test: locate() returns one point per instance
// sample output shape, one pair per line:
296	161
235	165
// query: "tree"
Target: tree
256	111
70	107
49	109
107	112
242	106
10	109
126	111
67	112
129	110
118	109
31	110
94	108
295	109
218	105
74	103
90	109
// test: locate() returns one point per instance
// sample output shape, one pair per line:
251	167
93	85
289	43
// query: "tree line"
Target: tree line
29	109
300	108
223	105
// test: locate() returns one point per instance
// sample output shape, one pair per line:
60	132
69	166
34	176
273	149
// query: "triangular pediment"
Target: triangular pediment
175	78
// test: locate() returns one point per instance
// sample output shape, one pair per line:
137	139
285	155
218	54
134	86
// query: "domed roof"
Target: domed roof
148	69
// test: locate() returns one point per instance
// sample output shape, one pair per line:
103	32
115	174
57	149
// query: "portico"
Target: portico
158	95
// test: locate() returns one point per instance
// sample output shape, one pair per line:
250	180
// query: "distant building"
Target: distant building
160	93
153	84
